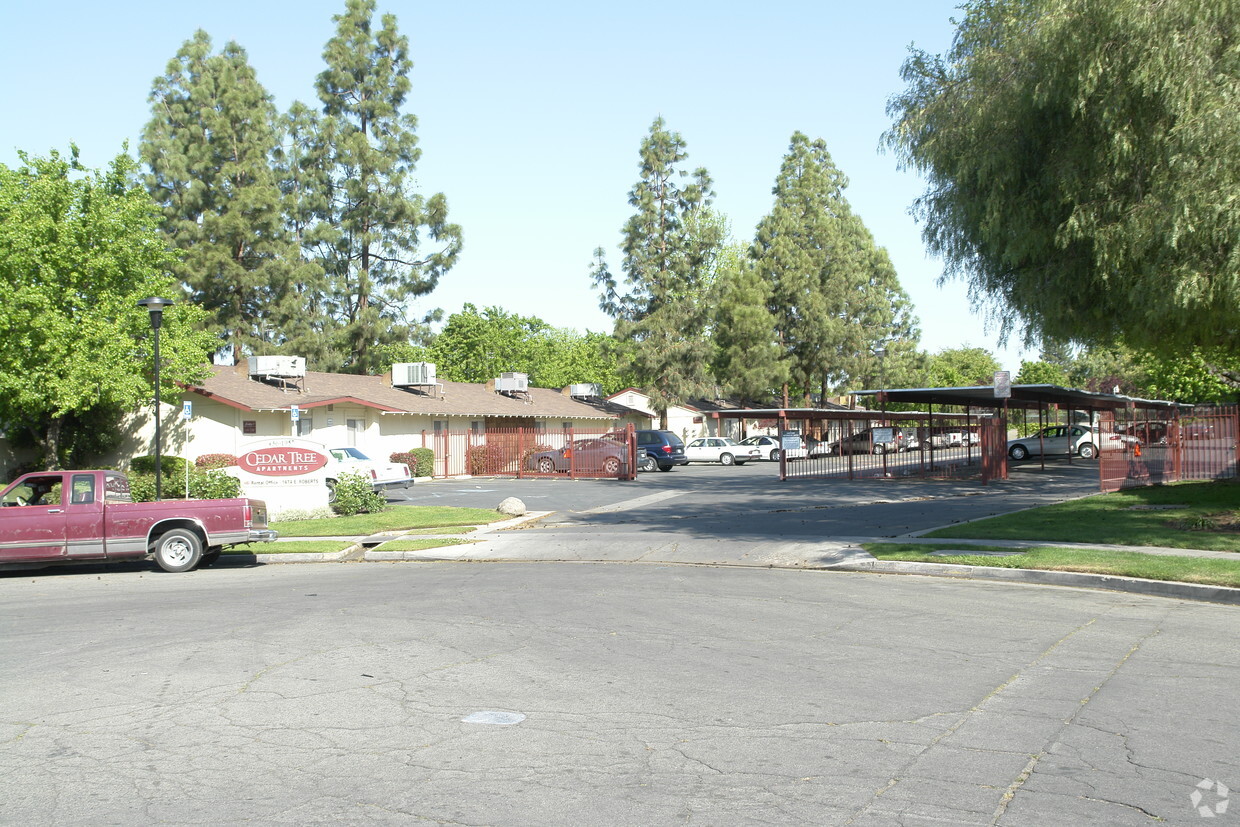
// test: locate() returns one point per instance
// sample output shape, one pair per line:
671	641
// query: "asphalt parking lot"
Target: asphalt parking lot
750	502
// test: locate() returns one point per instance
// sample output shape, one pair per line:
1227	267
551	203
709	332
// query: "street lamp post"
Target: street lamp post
155	306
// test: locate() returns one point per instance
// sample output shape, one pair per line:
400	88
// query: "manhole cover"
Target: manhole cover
958	552
494	718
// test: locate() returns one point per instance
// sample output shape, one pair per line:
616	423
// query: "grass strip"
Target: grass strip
296	547
1206	571
421	544
1112	518
395	518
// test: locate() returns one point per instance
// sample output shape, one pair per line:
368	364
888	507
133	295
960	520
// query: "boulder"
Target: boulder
512	507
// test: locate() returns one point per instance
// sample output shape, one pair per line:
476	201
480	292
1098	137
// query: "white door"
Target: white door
355	426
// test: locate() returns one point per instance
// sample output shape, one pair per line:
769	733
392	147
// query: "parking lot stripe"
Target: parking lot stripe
636	502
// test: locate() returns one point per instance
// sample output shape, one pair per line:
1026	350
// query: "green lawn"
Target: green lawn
1111	518
1214	572
394	519
419	544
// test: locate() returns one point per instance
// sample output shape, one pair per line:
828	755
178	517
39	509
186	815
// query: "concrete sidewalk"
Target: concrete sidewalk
498	542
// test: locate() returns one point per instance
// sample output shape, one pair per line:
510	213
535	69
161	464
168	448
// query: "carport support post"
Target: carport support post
783	455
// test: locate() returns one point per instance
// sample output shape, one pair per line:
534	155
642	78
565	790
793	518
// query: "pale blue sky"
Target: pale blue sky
530	116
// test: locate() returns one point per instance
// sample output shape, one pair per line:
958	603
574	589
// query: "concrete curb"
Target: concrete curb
1131	585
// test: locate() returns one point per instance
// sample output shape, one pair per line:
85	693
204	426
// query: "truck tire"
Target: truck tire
178	550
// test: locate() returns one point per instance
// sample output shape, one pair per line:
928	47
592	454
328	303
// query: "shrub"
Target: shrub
421	461
203	485
207	461
355	496
168	465
486	459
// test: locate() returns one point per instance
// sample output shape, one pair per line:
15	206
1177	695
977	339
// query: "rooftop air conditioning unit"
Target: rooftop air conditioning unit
413	373
512	383
585	389
277	366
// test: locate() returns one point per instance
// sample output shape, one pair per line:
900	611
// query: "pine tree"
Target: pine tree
747	357
669	243
834	293
208	147
374	222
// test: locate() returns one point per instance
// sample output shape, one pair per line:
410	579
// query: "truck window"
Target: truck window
83	489
116	489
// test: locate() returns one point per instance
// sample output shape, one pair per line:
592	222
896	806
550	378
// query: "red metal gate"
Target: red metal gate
573	453
1200	444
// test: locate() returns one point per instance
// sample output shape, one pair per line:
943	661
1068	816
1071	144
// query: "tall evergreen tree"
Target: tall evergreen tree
372	253
208	147
747	357
668	246
304	185
834	294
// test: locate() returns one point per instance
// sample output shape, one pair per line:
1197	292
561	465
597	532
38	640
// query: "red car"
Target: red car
82	516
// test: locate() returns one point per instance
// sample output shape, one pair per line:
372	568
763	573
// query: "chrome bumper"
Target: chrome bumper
263	535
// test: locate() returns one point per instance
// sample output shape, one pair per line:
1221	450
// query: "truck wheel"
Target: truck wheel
178	550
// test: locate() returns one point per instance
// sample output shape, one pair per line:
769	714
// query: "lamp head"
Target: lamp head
155	306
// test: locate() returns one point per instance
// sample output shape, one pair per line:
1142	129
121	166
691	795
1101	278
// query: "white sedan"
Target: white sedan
769	448
1055	440
721	449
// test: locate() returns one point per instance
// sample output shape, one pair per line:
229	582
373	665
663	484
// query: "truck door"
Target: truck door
32	519
84	519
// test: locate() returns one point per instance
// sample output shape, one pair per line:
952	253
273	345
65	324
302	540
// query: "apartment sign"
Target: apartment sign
282	461
285	472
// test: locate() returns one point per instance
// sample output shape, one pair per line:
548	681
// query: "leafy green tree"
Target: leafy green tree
376	230
1040	373
1197	377
78	249
834	293
208	146
669	246
962	367
1082	162
477	347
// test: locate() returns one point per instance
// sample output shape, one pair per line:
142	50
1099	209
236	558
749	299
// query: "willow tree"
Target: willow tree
1082	160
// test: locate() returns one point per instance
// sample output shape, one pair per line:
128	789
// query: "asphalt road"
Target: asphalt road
645	694
640	692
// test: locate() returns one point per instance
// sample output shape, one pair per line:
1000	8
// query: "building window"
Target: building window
249	426
305	425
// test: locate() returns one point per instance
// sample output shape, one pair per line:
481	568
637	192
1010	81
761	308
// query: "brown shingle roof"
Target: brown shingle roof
234	387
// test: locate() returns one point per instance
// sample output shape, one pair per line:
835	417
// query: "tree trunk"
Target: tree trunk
50	443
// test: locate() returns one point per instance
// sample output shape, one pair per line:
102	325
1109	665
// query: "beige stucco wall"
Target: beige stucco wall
218	428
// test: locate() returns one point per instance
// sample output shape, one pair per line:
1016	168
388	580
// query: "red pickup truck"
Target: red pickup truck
81	516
